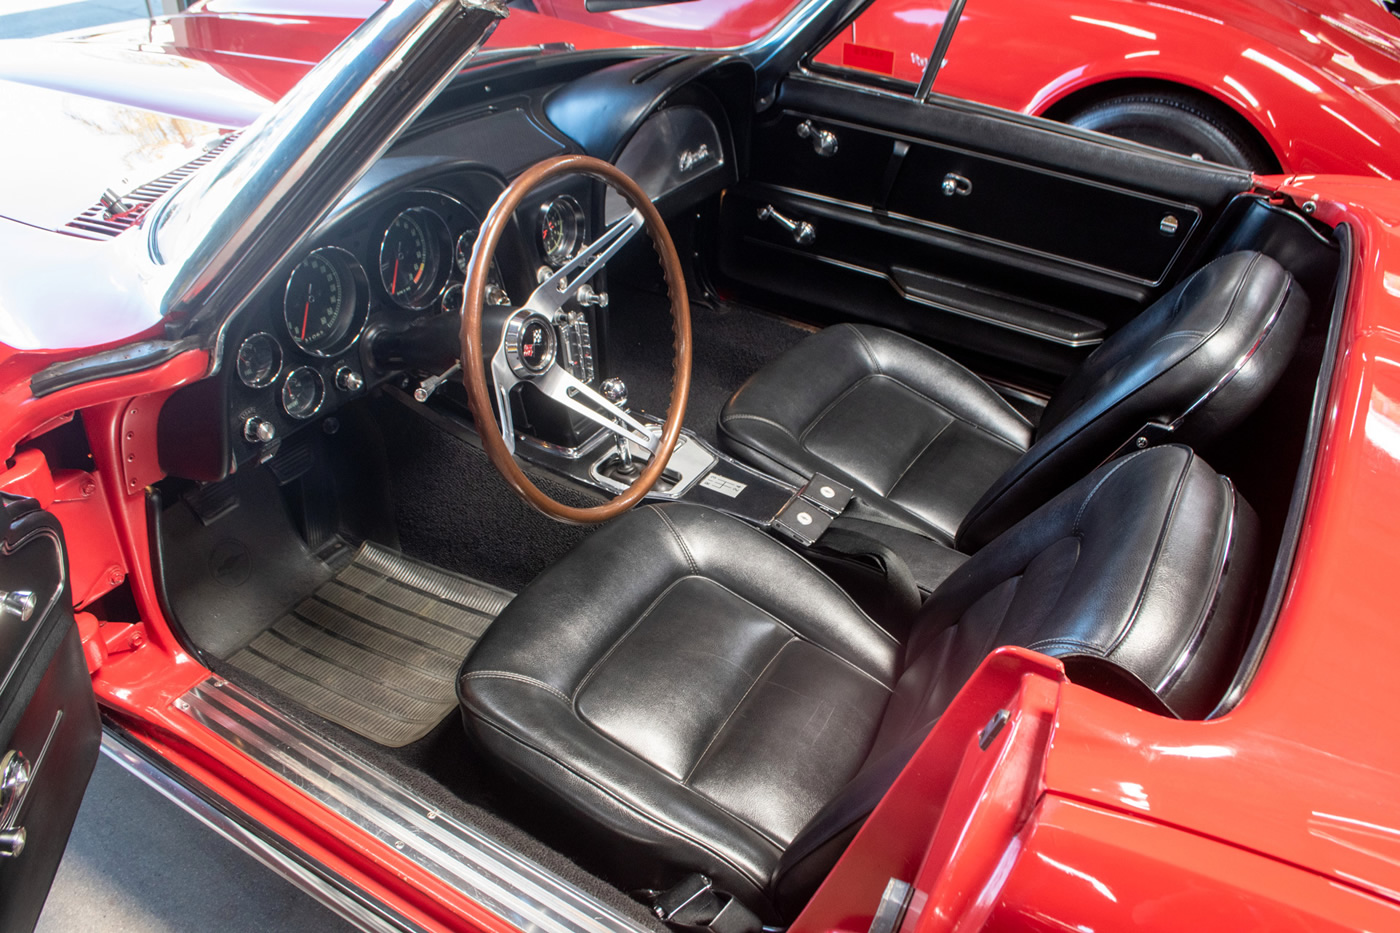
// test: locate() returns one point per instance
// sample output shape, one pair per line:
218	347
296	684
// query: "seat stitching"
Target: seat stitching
689	558
802	638
643	815
507	675
725	419
623	637
706	750
910	465
866	345
1084	506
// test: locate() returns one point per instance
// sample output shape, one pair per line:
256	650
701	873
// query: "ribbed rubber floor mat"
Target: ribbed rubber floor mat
377	648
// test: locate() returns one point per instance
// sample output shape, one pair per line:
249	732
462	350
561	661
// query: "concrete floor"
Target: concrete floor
136	863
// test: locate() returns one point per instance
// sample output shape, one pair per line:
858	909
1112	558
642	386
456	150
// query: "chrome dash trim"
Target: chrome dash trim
518	890
311	878
929	303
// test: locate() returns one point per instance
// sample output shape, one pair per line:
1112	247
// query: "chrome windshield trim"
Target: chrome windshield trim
315	880
505	882
220	235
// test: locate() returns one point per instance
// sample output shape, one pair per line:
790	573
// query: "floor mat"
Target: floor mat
377	648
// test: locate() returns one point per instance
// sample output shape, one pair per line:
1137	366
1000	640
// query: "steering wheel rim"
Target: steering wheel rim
474	350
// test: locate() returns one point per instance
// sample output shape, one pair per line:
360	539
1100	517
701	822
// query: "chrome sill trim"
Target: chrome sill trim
311	878
946	307
515	888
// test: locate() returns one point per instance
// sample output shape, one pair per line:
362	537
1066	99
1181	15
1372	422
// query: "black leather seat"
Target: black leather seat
692	696
931	448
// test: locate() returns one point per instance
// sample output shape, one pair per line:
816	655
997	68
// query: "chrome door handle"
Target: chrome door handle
15	777
824	142
802	231
954	183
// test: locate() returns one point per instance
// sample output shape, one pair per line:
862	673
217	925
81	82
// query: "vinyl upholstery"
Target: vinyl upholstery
930	447
688	694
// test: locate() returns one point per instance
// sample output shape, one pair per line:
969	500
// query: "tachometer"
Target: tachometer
561	226
324	307
412	257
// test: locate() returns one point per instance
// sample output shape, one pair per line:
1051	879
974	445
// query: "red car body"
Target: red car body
1088	814
1315	84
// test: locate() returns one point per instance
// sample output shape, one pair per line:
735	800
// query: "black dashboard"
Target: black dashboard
392	255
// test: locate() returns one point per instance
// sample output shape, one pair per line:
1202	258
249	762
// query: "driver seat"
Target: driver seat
684	694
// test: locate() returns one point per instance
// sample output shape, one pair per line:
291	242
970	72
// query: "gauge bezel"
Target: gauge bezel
560	254
276	370
447	290
320	393
358	301
439	242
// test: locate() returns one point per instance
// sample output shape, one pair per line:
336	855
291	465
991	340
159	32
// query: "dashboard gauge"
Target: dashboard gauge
463	250
303	393
412	257
451	300
259	361
561	226
326	301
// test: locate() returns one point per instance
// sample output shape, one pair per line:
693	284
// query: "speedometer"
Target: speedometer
324	305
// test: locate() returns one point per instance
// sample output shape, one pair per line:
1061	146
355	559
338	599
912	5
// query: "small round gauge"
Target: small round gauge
303	393
259	361
463	250
324	307
451	300
411	257
561	225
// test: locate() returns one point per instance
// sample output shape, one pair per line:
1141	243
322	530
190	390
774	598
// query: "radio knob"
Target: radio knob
258	430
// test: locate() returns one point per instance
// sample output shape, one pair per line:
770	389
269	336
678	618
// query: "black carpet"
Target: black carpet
730	344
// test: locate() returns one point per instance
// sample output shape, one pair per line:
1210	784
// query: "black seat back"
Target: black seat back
1189	367
1139	578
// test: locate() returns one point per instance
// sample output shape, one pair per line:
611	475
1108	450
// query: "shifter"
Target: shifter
615	391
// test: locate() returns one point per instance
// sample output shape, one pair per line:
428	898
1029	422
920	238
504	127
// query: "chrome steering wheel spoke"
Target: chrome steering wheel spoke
562	386
558	288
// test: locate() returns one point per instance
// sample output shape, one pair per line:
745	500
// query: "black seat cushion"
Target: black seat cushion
691	695
917	435
928	445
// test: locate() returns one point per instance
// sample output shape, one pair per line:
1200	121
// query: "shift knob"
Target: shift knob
615	391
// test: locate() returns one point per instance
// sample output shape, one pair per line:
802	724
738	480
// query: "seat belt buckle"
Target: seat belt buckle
801	521
830	495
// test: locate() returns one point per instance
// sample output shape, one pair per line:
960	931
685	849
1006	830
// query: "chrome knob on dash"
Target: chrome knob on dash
258	430
347	380
802	231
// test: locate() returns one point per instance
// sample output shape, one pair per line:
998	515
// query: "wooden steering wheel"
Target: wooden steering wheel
521	345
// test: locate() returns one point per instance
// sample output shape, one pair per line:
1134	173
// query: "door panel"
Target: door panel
49	726
1021	241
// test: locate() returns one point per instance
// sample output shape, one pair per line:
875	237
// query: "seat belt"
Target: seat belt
695	904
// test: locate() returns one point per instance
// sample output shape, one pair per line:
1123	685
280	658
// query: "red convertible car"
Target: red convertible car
608	490
1278	85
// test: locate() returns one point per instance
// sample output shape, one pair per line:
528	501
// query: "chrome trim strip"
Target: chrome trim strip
310	877
517	889
947	308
